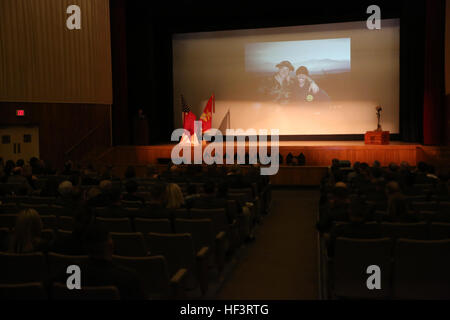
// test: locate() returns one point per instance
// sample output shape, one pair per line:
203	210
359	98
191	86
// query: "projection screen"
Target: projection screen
303	80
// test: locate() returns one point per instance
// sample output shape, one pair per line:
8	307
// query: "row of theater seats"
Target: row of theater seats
181	249
18	280
414	259
395	230
409	269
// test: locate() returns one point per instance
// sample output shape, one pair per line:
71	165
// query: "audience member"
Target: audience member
101	271
27	233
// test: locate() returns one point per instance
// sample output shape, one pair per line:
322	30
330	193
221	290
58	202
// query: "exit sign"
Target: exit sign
20	112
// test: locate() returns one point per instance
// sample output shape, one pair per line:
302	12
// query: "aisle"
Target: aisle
282	262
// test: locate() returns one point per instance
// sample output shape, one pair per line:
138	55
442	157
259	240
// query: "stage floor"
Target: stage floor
317	153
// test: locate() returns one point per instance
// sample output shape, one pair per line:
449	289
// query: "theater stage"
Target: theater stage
318	156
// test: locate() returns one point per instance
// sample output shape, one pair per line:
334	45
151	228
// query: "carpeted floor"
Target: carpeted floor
282	262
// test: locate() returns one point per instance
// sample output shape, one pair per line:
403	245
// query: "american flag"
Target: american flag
184	106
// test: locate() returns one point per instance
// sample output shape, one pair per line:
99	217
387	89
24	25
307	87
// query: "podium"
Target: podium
376	137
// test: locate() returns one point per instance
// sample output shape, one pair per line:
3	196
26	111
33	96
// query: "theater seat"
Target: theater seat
352	258
152	225
21	268
65	223
422	269
58	263
154	275
60	292
23	291
8	220
4	239
49	221
130	244
115	224
219	223
201	231
418	231
424	205
440	231
178	249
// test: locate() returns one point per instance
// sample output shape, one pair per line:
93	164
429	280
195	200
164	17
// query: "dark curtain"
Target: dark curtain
149	49
412	50
120	112
434	79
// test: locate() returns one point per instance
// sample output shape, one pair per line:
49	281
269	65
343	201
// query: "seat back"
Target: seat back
218	217
23	291
8	220
9	207
49	221
178	249
152	272
181	213
418	231
115	224
130	244
65	223
424	205
152	225
444	207
58	263
4	239
61	292
132	204
201	231
440	231
422	269
350	268
21	268
63	235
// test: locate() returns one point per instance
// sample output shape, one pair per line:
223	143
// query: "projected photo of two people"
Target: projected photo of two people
284	88
301	72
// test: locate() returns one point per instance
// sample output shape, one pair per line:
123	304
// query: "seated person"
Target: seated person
132	188
356	227
397	205
174	197
208	200
104	198
155	207
336	209
27	233
74	245
192	194
101	271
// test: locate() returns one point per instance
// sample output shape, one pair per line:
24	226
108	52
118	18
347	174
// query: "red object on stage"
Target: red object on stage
188	122
376	137
206	116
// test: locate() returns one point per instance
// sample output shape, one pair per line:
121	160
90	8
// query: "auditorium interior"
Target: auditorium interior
98	203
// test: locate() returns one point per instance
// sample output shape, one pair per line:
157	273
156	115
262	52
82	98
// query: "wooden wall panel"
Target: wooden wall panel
315	155
62	126
41	60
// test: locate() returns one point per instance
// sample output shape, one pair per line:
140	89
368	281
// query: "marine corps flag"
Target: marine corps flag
206	116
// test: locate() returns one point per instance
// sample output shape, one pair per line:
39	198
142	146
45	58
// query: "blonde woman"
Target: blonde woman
27	233
174	196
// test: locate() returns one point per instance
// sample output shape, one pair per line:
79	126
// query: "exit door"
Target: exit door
19	143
